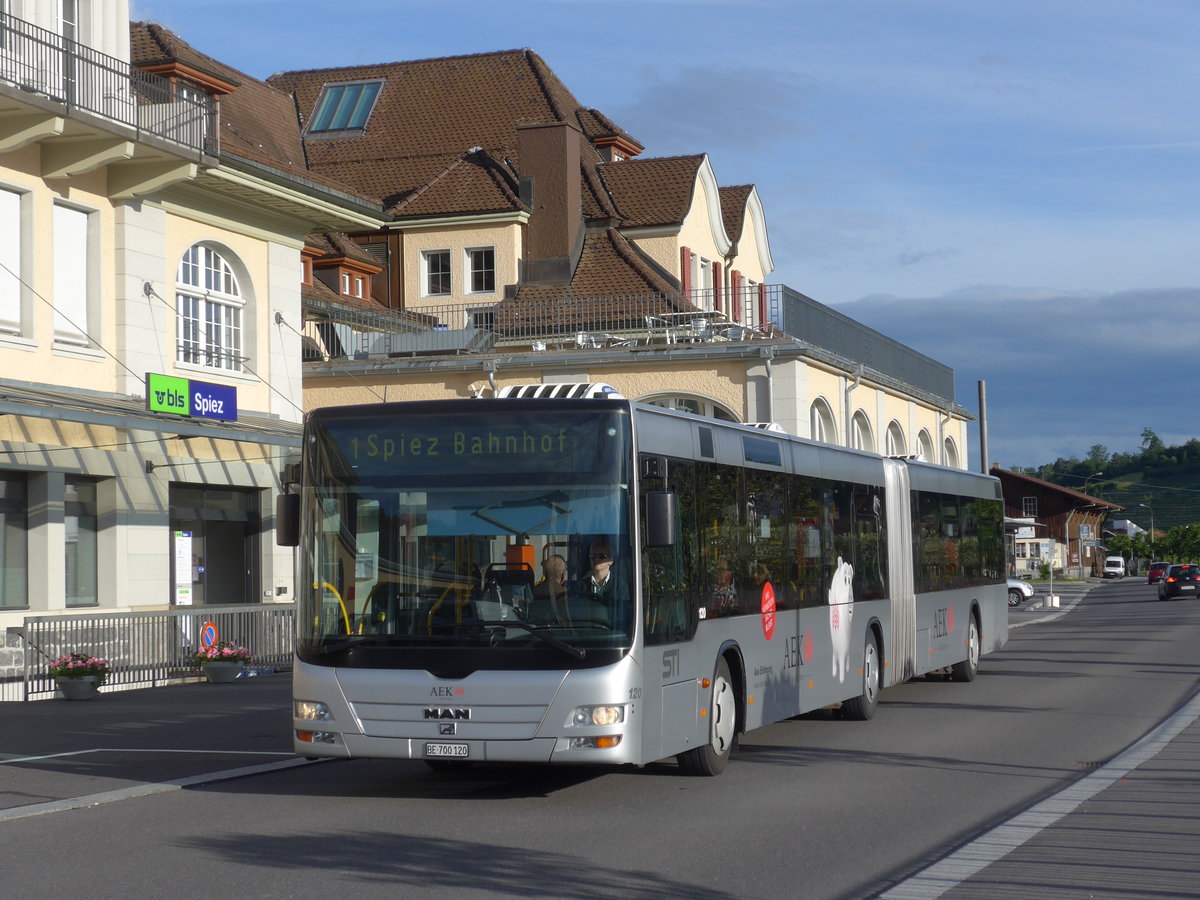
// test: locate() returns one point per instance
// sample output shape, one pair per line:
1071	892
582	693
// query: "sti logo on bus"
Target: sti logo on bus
442	712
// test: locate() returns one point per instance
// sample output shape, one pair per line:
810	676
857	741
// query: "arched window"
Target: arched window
861	437
820	422
950	457
925	447
894	440
700	406
209	307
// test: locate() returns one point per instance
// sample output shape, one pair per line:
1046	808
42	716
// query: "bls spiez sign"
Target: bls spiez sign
185	397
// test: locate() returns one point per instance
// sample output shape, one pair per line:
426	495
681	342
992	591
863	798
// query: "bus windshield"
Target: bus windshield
467	531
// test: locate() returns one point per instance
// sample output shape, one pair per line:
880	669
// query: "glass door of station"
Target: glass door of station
215	542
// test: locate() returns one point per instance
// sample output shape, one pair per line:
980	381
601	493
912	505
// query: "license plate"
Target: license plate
457	750
1187	587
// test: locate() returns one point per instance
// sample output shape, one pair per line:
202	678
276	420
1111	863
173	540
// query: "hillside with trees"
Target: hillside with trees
1159	486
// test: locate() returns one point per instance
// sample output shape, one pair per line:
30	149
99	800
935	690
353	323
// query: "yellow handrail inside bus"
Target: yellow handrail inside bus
341	603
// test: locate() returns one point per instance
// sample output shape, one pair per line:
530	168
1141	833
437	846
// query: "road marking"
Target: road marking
1057	614
992	846
146	790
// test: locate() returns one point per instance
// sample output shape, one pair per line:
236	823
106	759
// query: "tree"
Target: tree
1098	457
1151	442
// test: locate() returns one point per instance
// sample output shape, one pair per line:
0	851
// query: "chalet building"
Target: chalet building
1052	524
153	224
530	239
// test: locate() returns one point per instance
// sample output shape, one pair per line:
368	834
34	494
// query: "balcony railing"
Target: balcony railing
570	322
617	321
45	64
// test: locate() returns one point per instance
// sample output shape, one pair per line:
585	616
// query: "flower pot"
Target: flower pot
85	688
220	672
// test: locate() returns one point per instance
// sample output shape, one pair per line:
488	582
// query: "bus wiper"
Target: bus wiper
352	640
569	649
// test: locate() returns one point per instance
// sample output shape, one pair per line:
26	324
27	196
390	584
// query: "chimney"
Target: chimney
550	184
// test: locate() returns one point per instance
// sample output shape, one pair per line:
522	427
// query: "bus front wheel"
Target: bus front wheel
713	757
863	706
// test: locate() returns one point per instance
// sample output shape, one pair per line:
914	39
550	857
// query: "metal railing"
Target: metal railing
44	63
578	322
574	321
147	649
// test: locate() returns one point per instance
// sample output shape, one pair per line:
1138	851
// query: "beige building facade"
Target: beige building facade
135	249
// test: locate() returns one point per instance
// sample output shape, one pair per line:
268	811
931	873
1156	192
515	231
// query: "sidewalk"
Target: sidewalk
1130	829
58	754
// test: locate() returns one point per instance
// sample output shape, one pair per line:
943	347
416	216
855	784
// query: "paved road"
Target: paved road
1131	828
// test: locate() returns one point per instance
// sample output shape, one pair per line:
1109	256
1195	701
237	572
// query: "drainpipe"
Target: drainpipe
846	405
490	368
942	436
767	354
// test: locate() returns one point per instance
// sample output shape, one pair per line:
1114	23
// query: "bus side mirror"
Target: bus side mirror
660	519
287	520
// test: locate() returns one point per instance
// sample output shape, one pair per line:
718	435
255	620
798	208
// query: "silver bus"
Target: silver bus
590	580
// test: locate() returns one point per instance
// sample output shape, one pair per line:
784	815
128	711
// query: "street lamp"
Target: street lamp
1089	478
1151	508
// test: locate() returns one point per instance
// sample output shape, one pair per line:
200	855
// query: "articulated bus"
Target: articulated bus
590	580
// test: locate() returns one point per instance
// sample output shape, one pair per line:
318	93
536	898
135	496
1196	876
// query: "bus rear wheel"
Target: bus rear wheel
863	706
713	757
965	670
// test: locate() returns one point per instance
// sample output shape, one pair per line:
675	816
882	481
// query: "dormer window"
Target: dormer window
344	108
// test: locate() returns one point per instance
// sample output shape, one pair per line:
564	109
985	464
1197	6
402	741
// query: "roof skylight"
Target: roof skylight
344	107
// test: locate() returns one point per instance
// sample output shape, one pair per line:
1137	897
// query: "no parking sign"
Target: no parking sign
208	634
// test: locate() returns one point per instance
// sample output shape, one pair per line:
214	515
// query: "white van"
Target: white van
1114	567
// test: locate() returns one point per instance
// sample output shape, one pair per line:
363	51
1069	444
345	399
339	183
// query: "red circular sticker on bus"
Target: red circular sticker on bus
806	650
768	610
950	620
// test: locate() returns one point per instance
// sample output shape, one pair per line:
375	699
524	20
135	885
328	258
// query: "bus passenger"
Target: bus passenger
724	594
551	589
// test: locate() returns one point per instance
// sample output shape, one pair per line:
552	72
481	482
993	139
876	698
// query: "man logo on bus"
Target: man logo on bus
841	611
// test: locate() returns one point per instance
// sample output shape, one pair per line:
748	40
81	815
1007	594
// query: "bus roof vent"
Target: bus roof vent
768	426
560	391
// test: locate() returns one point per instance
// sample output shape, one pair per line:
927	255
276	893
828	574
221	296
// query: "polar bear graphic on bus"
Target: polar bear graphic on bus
841	611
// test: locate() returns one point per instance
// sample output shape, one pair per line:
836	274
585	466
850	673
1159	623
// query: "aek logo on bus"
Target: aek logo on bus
446	691
943	622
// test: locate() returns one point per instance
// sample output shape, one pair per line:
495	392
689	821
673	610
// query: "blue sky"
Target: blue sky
1009	188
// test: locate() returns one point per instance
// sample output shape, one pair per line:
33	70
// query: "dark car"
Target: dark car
1155	573
1180	581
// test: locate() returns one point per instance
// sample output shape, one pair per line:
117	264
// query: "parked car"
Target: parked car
1155	573
1114	567
1018	591
1180	581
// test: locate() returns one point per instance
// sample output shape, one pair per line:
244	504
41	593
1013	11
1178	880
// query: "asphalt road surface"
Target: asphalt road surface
814	807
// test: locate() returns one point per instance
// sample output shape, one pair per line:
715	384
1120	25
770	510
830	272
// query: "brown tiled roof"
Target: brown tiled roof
318	292
733	208
256	119
474	182
612	282
594	124
258	122
337	245
431	111
652	191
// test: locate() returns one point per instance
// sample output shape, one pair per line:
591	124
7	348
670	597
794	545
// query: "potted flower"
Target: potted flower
223	661
79	675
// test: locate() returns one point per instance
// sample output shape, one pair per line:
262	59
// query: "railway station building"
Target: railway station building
191	258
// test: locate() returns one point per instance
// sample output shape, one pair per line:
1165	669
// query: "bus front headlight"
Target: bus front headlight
312	711
598	715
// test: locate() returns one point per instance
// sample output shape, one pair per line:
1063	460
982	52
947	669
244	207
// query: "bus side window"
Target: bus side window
668	582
